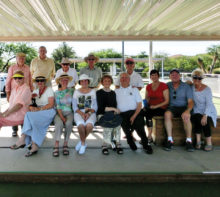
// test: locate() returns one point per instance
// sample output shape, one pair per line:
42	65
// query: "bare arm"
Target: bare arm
12	110
166	100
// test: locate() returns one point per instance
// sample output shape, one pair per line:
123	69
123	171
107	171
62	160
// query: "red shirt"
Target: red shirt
156	96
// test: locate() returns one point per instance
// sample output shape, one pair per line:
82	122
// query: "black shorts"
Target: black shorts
176	111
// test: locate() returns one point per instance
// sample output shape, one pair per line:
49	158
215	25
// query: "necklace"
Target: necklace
42	91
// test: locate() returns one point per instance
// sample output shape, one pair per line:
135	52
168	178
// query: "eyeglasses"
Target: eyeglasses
40	80
196	77
129	62
91	59
65	64
174	94
18	78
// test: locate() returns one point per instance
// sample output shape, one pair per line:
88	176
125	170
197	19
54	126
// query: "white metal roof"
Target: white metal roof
53	20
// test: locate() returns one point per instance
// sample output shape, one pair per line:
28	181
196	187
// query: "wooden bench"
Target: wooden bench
159	133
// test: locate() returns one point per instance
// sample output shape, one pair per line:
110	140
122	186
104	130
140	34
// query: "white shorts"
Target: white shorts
79	120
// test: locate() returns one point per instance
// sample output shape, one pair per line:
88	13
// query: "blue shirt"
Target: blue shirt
180	96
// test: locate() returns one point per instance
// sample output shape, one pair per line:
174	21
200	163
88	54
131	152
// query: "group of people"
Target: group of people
113	110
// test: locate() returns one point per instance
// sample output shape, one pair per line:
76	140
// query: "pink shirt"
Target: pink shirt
10	83
21	95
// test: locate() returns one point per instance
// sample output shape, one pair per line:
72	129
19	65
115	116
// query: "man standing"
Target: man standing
43	66
92	71
129	102
136	80
10	83
65	63
181	104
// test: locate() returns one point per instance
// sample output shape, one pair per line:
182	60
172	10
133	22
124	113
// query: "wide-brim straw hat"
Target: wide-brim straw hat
65	60
91	55
63	75
40	78
85	77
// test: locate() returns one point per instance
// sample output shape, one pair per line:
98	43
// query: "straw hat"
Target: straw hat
20	55
40	78
91	55
63	75
85	77
65	60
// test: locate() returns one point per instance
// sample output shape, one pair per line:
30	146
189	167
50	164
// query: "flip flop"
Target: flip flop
29	154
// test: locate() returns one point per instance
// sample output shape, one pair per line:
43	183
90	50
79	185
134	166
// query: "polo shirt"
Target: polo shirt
95	74
183	93
71	72
135	80
127	98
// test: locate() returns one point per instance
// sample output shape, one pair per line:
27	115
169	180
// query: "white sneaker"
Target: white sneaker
78	146
82	149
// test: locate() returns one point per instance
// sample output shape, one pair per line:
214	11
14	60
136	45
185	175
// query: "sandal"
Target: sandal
105	150
56	151
66	150
15	146
119	149
199	146
208	148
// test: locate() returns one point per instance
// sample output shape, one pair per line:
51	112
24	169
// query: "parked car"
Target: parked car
3	77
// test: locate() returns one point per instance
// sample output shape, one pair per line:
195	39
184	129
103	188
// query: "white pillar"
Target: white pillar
150	57
123	57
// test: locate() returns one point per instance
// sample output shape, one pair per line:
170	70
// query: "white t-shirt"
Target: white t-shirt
127	98
71	72
43	100
82	100
135	80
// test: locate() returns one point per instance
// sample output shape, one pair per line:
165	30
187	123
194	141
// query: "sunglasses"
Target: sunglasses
40	80
196	77
65	64
129	62
91	59
174	94
18	78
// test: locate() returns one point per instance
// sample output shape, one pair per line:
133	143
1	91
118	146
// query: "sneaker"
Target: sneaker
189	147
168	146
133	146
82	149
78	146
148	149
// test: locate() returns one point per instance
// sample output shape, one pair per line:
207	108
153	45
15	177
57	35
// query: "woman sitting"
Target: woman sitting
106	99
64	117
84	106
19	101
38	119
204	112
157	96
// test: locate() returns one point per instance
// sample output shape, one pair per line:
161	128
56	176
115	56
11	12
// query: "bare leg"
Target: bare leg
21	140
198	138
208	140
56	144
168	123
149	133
188	128
89	128
82	133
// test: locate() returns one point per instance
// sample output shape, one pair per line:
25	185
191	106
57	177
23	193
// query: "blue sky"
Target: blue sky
135	47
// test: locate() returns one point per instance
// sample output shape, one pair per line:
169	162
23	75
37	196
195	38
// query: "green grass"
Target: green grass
110	190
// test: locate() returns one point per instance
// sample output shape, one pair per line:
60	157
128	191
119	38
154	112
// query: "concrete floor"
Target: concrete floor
93	161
